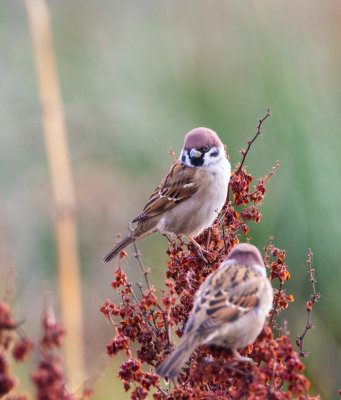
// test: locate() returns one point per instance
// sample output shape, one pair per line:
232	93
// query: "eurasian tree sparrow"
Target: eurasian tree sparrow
229	309
191	194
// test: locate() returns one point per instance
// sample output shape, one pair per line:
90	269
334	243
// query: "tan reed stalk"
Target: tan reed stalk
63	190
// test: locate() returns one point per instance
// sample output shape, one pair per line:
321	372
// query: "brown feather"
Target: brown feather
222	312
231	293
122	244
171	191
172	365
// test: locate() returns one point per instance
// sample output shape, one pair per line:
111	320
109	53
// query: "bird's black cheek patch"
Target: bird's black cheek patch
183	158
215	154
197	161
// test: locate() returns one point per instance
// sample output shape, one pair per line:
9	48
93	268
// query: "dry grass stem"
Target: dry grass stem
62	186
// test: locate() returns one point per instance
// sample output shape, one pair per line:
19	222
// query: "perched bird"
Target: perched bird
229	309
191	194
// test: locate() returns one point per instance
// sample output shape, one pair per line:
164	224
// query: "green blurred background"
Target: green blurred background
135	77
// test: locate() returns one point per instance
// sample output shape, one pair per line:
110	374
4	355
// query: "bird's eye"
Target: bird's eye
205	149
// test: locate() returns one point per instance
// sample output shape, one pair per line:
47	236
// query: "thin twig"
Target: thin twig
166	236
314	298
266	254
151	312
159	388
249	142
129	285
228	192
171	152
208	239
272	172
272	382
166	325
180	240
274	311
265	179
224	236
145	272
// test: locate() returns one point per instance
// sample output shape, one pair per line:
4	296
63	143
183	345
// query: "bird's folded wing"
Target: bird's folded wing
179	184
229	296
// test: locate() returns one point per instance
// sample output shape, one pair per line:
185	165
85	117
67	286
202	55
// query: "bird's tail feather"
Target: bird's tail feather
172	365
120	246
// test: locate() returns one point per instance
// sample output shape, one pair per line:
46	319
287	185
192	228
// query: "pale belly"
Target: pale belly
240	334
196	214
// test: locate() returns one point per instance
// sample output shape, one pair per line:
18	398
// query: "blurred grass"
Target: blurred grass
135	78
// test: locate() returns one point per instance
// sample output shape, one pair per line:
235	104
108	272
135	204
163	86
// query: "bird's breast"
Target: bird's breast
197	213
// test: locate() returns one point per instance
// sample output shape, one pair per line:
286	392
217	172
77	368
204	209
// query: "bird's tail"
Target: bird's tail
120	246
172	365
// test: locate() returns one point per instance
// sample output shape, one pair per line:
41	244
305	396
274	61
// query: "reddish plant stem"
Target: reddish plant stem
224	235
249	142
161	391
129	285
171	152
208	239
314	298
145	272
266	250
274	311
272	172
143	314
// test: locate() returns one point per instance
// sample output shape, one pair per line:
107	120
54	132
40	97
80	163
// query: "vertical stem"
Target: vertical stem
62	187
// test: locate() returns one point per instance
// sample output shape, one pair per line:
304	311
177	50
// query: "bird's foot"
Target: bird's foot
240	358
200	251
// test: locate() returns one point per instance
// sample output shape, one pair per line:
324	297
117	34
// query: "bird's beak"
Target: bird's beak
194	153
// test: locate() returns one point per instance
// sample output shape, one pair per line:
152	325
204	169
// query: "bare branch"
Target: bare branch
275	306
314	298
145	272
249	142
171	152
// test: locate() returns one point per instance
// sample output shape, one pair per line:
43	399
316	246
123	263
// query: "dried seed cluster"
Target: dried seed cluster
144	319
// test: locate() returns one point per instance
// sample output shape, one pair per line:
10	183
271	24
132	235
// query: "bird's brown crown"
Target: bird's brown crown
200	137
246	254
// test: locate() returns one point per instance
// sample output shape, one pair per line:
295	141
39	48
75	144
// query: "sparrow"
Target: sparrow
229	309
191	194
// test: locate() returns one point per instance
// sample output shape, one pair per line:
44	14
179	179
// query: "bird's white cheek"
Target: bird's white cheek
184	159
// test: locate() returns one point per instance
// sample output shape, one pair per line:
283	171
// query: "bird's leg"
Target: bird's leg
198	248
239	357
208	239
196	244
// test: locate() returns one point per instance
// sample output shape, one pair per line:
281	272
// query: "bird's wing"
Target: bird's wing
179	184
229	294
